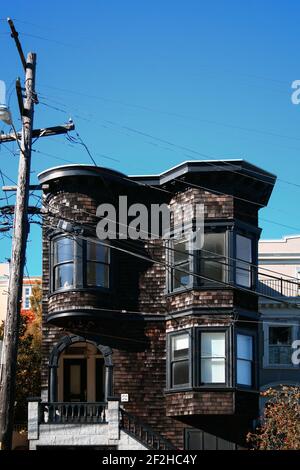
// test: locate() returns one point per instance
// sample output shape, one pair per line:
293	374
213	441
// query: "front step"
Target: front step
143	433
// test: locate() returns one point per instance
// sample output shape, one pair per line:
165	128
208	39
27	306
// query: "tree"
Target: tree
280	424
28	380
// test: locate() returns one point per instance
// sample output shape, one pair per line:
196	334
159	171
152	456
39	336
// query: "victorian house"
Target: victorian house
147	343
279	278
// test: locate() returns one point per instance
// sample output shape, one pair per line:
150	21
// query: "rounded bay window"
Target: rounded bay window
79	263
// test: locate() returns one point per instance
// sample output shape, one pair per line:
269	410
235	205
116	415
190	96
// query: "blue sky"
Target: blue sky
211	76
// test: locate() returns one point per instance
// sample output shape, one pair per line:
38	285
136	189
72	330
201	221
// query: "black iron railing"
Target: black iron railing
143	433
64	413
278	287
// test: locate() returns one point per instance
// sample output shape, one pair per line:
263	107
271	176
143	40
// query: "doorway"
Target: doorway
75	380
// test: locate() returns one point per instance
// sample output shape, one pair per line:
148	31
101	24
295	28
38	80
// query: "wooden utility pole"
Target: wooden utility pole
20	233
11	329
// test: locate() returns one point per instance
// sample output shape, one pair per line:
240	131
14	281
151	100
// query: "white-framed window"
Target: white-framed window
278	339
244	359
26	297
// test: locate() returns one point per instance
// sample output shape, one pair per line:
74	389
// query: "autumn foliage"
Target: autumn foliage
29	354
280	424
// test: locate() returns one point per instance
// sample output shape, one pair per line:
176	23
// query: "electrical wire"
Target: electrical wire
170	266
170	143
232	321
147	234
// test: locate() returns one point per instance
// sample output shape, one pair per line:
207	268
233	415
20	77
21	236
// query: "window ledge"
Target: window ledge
199	288
281	366
102	290
213	388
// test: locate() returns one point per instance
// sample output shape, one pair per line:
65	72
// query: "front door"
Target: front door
75	380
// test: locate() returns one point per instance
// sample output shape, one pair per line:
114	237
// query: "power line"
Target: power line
147	233
102	98
168	265
204	155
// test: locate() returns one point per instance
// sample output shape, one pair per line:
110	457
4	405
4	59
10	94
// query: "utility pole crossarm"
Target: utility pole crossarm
36	133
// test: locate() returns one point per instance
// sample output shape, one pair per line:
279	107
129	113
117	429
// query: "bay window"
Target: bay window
181	264
209	262
63	263
180	360
244	261
97	265
213	358
77	263
244	360
227	256
205	357
213	257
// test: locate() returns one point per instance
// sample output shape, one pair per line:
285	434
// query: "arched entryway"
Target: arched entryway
80	370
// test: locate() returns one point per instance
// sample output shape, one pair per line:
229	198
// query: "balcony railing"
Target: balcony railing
278	287
69	413
143	433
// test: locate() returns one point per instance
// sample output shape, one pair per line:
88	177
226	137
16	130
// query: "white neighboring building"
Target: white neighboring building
281	321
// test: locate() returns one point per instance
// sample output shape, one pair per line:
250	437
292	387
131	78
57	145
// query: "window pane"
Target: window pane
212	269
243	253
213	344
244	372
181	278
64	276
243	274
280	335
214	243
180	346
180	373
63	250
280	355
97	274
181	251
213	371
245	347
97	252
243	248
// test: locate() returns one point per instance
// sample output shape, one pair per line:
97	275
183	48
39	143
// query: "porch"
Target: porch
91	425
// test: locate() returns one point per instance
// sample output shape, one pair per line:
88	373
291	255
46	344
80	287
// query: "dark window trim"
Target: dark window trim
171	266
54	266
203	284
79	266
254	254
170	361
253	334
195	359
195	282
228	357
103	263
231	228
